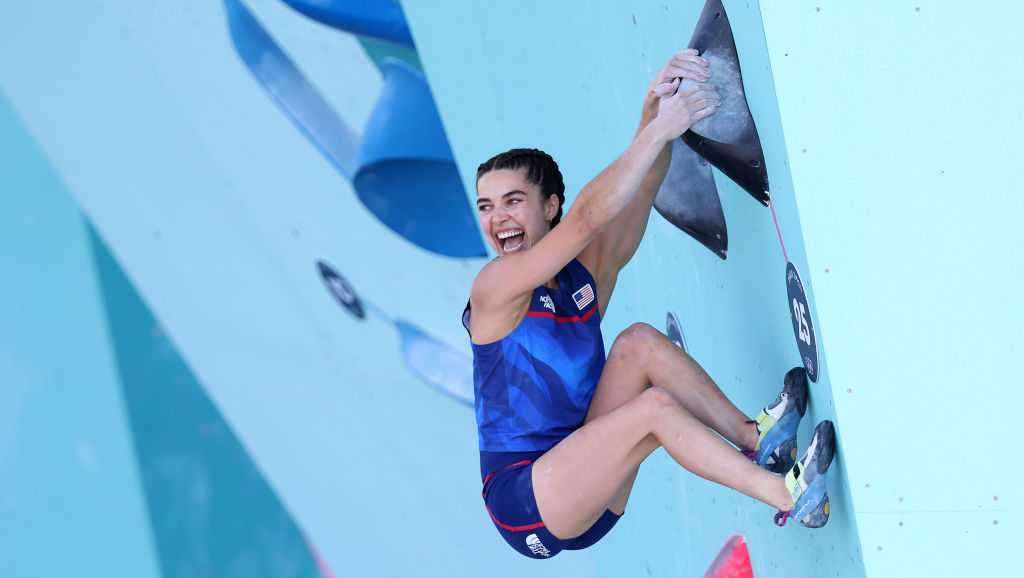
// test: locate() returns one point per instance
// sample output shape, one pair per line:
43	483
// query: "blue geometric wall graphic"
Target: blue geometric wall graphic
404	171
381	19
212	512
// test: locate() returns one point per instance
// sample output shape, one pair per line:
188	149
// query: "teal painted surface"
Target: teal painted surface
506	85
905	155
70	503
211	511
217	210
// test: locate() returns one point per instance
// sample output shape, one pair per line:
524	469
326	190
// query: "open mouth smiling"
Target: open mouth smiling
511	239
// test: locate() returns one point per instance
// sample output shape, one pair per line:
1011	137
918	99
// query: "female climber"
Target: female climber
562	430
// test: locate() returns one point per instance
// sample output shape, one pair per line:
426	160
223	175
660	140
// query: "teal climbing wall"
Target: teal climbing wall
217	209
114	459
906	180
888	133
70	485
581	103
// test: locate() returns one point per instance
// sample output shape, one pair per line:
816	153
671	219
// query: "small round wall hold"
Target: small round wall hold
803	329
675	331
341	290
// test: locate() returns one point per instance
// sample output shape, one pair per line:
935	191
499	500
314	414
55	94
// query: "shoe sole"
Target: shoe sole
826	448
795	384
824	453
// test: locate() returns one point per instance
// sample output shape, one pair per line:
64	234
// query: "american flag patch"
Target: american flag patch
584	296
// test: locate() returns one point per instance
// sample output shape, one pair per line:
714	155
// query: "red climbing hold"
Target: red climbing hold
733	561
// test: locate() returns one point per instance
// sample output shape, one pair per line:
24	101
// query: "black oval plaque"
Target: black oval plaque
341	290
803	329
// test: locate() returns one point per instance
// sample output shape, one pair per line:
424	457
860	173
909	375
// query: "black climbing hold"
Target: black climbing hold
689	200
341	290
728	138
674	331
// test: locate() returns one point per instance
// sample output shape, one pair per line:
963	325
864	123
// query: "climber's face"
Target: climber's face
512	214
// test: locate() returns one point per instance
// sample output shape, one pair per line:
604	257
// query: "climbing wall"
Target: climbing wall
912	238
581	103
902	229
217	209
70	484
164	254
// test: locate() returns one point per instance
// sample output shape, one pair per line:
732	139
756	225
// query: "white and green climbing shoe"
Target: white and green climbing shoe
777	425
806	480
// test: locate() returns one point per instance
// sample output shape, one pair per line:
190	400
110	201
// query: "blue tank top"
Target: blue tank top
533	387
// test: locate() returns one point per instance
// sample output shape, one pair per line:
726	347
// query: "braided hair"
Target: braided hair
541	170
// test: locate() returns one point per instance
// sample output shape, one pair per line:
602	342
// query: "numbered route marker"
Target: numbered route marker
803	330
675	331
341	290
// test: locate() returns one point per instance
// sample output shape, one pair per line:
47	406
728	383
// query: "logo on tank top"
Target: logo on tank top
536	546
546	301
583	297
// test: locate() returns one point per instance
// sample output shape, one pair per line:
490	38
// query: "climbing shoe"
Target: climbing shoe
806	480
777	424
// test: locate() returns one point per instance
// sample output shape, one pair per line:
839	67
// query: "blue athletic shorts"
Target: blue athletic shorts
508	497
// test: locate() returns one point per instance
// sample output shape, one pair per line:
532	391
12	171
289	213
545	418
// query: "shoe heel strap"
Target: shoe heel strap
782	517
795	482
763	422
